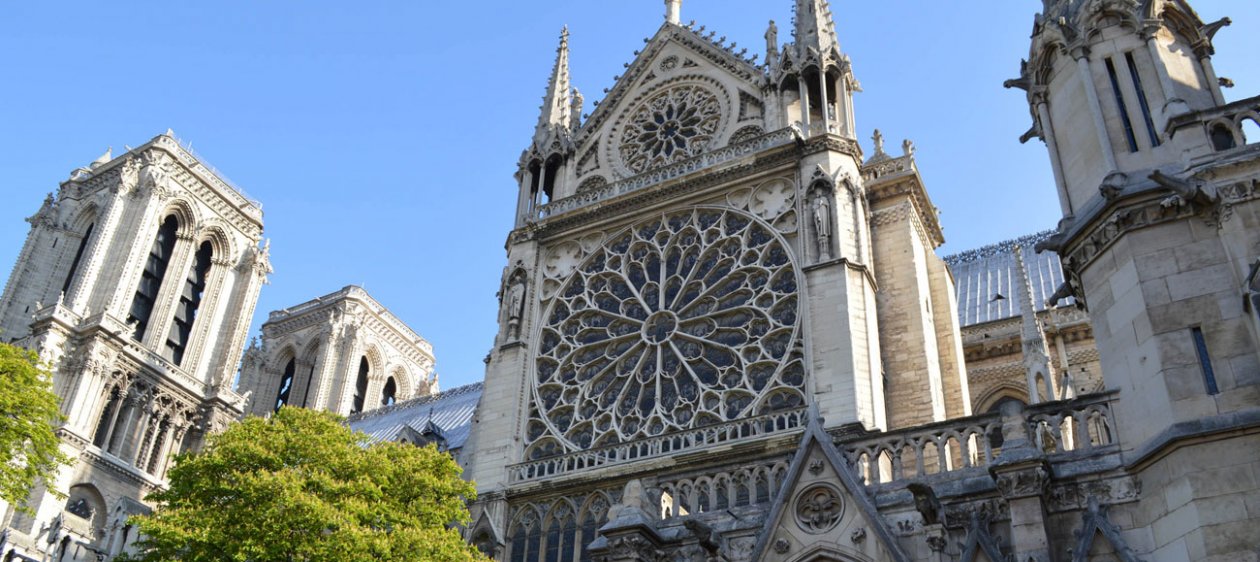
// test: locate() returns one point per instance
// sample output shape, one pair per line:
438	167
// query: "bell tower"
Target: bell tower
1159	191
137	284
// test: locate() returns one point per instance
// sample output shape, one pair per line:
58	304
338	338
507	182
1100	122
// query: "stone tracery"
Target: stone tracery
678	123
680	322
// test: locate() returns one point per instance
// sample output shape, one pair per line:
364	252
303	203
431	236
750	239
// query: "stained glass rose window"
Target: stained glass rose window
673	125
687	320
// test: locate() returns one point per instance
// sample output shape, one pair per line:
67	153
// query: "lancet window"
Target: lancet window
151	279
286	385
561	532
360	386
390	393
78	256
189	302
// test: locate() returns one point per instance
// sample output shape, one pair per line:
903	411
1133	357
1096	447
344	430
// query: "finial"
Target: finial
878	137
673	11
907	146
104	158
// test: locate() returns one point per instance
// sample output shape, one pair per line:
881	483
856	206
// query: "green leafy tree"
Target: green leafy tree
29	415
302	487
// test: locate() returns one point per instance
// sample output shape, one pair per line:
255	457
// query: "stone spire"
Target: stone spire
1036	351
557	107
815	28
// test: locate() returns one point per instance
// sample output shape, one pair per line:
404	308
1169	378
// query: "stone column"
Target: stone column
630	534
1022	476
1213	83
1052	143
1173	106
804	86
1081	54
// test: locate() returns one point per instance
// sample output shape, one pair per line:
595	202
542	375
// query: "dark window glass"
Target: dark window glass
1124	110
286	385
389	394
189	302
107	417
1205	361
1145	104
360	387
151	278
78	255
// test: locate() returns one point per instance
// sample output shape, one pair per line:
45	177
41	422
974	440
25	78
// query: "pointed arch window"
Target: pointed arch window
390	394
151	278
78	256
105	424
360	386
286	384
189	302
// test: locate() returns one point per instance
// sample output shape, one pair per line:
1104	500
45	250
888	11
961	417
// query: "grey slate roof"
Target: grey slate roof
451	411
982	274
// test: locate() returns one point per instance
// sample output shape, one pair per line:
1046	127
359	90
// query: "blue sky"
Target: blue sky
382	136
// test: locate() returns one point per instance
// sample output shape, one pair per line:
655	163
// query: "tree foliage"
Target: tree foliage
29	415
302	487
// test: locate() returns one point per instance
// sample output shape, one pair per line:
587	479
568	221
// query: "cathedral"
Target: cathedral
725	331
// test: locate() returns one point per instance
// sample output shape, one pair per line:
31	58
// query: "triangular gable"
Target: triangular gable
980	545
821	509
1098	525
674	55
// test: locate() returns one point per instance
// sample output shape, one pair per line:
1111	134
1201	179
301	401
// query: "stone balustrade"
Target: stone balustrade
729	153
674	443
751	484
1079	427
1223	125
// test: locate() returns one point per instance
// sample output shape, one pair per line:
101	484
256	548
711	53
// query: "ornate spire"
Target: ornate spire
815	28
557	108
1036	351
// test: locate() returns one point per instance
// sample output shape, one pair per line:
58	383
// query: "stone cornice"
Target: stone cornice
381	321
899	177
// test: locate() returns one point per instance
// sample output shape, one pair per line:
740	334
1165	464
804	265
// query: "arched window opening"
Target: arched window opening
389	394
535	182
310	381
151	278
78	256
189	302
286	384
1250	130
550	175
1222	138
107	417
360	387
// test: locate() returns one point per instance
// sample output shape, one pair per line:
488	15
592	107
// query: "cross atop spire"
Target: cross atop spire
557	109
815	27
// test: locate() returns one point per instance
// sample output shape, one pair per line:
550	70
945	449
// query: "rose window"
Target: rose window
678	123
680	322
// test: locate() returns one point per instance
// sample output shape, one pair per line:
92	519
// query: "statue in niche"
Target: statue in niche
515	300
820	211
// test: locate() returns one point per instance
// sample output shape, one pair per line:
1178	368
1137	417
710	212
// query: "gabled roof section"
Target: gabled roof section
448	414
822	509
715	52
987	281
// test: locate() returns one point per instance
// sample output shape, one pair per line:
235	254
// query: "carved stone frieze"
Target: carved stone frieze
1073	496
1023	482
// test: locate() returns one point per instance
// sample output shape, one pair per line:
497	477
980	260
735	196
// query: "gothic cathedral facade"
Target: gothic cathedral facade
725	333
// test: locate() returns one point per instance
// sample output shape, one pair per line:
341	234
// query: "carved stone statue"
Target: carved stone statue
820	211
515	299
772	38
579	102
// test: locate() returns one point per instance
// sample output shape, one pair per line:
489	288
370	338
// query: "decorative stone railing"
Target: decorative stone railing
674	443
1223	125
729	153
1077	427
220	180
917	452
749	484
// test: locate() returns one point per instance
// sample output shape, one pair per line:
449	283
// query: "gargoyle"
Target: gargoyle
1189	190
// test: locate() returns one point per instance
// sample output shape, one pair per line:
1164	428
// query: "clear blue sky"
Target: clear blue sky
382	136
